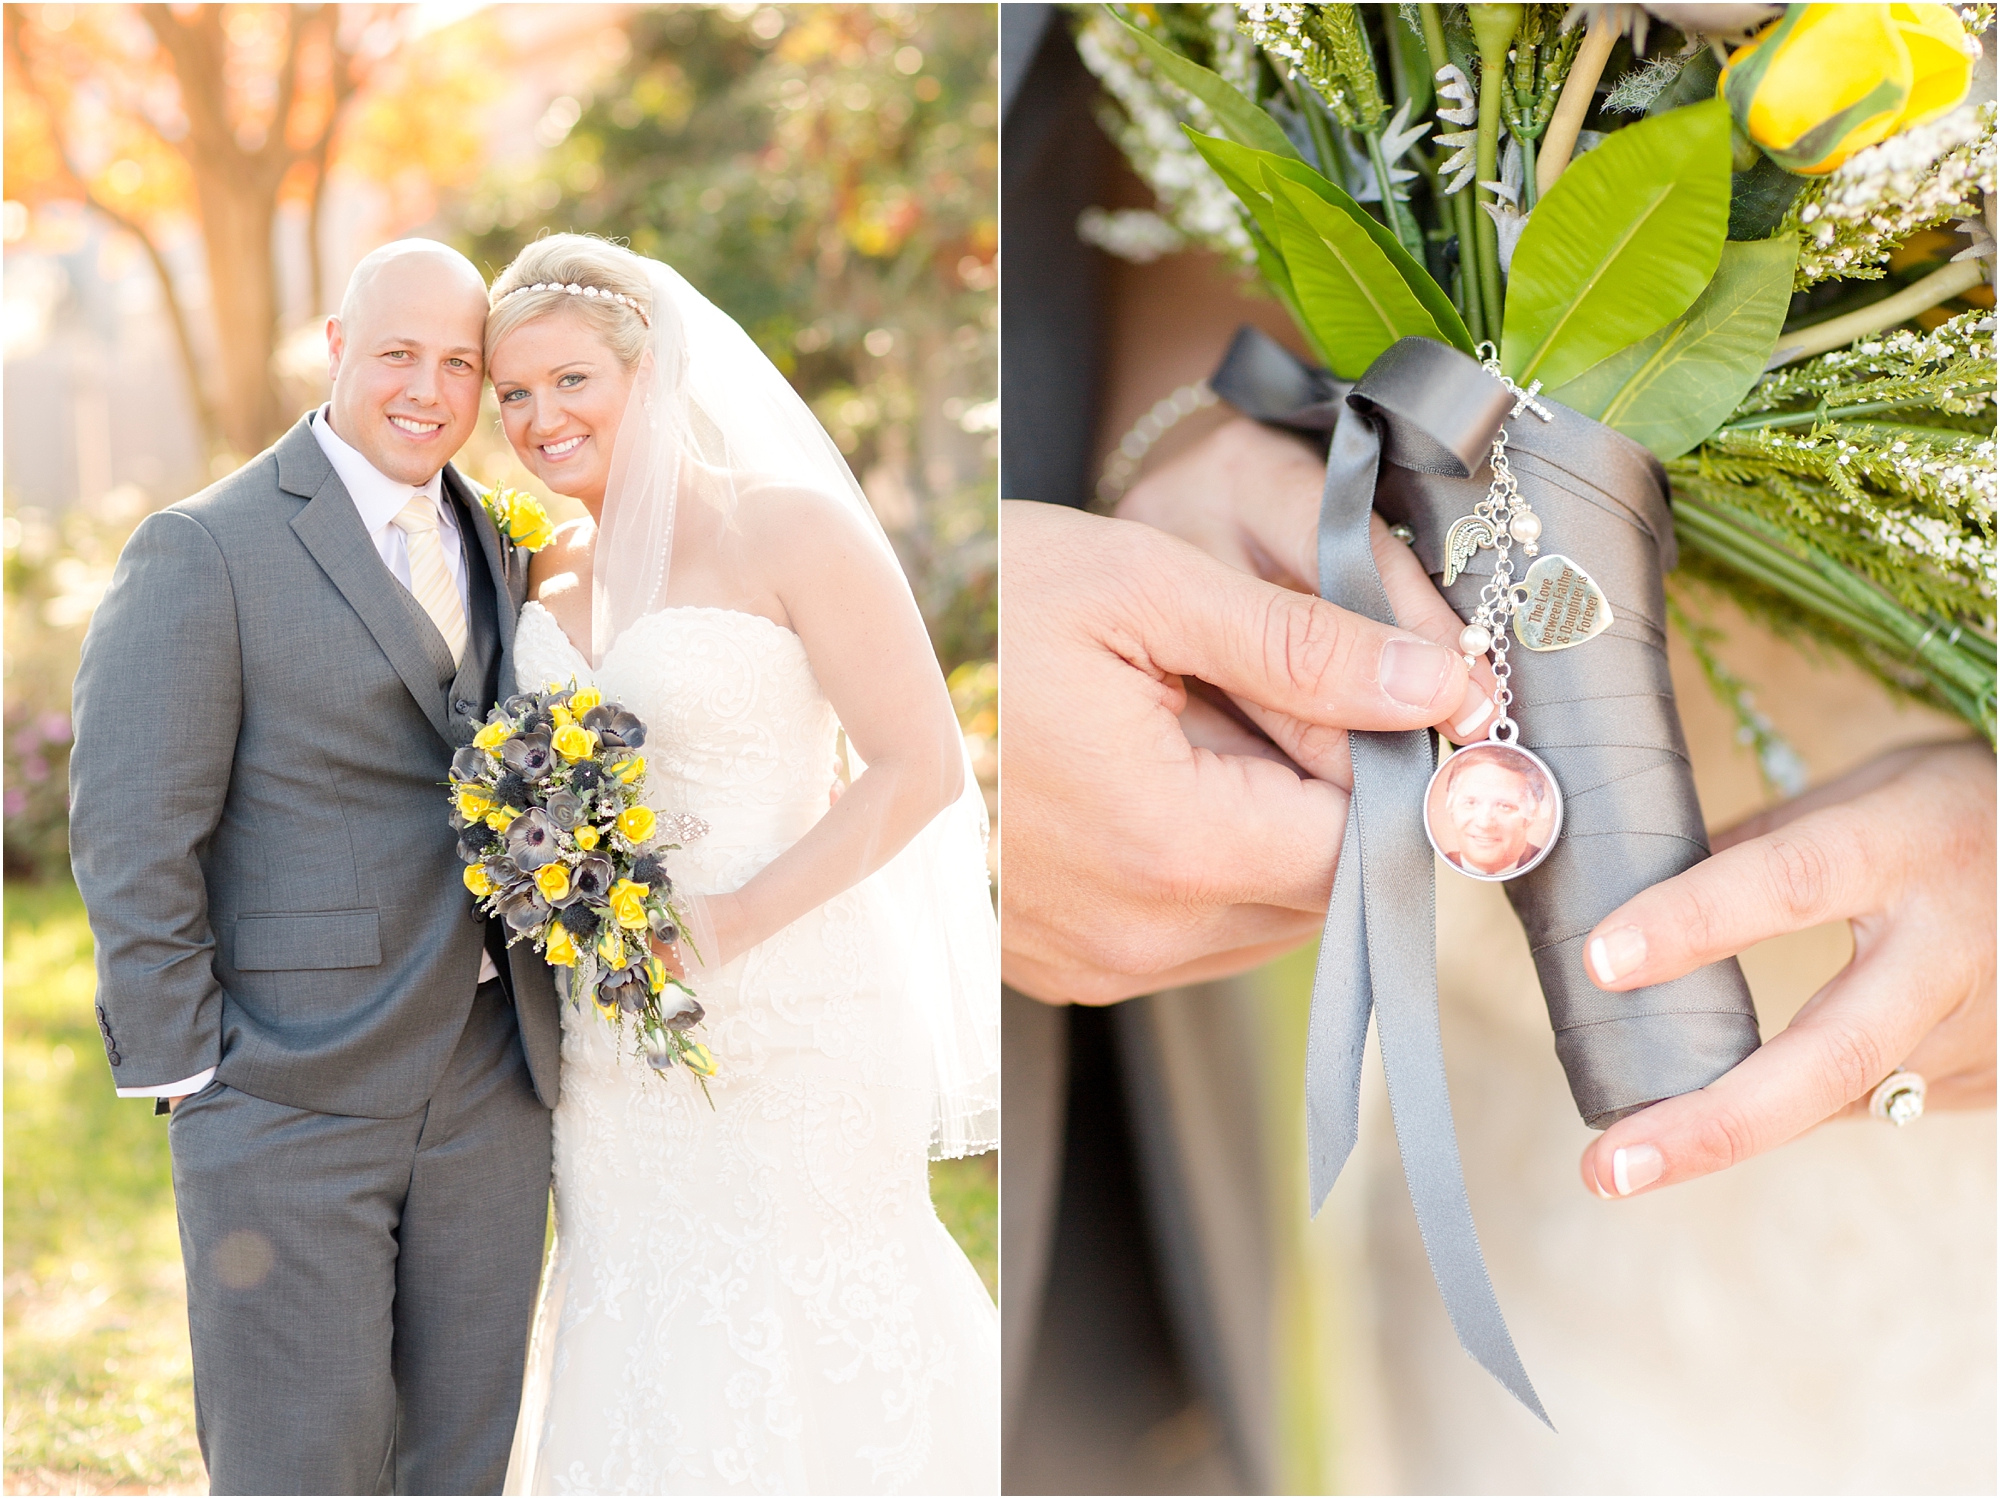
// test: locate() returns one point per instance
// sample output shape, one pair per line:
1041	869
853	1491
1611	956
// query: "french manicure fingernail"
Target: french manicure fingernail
1636	1166
1473	710
1413	670
1618	952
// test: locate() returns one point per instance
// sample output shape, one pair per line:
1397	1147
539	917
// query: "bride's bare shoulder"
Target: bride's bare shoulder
562	566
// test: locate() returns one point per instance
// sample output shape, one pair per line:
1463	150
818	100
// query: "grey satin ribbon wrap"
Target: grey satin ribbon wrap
1411	439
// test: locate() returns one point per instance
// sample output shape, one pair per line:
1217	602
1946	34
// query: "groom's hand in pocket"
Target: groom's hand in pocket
1145	844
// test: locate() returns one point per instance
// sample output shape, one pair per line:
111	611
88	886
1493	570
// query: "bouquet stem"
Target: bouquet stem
1837	333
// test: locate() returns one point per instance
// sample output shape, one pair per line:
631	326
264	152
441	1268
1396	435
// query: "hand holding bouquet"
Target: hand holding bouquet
559	843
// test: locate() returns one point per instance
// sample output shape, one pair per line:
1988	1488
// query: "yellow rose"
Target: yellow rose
697	1057
637	823
1825	81
491	737
562	716
628	771
628	904
473	803
478	881
561	948
553	881
501	817
574	742
584	699
611	947
656	974
586	837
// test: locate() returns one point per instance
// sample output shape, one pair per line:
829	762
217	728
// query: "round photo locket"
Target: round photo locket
1493	810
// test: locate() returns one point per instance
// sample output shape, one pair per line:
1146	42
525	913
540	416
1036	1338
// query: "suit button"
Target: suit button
114	1058
464	707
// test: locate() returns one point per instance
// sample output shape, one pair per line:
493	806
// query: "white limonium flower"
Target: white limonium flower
1135	234
1851	220
1147	129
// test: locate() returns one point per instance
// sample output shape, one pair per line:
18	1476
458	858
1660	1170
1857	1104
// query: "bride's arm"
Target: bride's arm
846	597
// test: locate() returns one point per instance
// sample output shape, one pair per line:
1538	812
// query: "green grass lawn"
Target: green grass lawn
99	1391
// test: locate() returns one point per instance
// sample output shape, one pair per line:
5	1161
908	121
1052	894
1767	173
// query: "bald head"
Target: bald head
405	357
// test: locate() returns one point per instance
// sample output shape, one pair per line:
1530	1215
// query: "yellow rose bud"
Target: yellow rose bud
656	974
586	837
611	946
478	881
553	881
637	823
627	900
562	716
473	803
584	699
574	742
697	1057
1825	81
628	771
561	947
500	818
491	737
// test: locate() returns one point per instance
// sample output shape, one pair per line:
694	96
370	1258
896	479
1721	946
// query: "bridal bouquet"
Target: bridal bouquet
1707	249
558	843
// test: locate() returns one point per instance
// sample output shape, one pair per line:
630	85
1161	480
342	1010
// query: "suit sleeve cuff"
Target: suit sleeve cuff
180	1089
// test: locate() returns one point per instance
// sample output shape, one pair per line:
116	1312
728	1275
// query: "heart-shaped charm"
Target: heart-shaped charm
1558	606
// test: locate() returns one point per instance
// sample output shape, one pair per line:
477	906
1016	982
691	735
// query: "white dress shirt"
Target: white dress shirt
378	498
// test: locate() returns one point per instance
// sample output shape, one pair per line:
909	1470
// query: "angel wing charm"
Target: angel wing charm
1467	535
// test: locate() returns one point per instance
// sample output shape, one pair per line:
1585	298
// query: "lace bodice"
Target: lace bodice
737	730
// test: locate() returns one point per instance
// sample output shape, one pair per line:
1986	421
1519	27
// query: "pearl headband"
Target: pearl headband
583	291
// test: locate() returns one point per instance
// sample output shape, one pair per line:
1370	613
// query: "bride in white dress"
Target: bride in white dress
755	1296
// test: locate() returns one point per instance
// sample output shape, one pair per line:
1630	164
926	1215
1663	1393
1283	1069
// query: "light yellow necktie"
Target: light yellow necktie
430	578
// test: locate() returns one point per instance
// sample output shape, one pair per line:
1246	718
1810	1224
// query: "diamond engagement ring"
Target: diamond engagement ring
1899	1098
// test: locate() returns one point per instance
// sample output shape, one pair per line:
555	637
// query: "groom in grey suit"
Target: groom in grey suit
359	1072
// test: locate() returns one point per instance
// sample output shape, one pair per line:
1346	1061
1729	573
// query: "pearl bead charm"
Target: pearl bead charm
1526	526
1475	640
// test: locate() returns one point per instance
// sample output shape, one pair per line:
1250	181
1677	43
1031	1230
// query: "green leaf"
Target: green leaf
1238	116
1242	171
1673	389
1621	245
1354	300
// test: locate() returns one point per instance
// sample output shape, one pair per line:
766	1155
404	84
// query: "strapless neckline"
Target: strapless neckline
710	609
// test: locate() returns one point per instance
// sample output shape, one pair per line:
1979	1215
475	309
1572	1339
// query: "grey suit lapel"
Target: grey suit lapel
331	529
497	557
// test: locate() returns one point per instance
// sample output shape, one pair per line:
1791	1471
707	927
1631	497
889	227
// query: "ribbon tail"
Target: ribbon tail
1402	961
1337	1029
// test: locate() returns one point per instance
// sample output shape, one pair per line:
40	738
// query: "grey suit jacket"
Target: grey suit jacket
265	720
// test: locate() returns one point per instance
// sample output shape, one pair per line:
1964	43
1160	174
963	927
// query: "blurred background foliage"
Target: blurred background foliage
186	188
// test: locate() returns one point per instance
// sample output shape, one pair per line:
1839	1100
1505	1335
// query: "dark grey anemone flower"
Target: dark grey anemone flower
626	988
525	910
615	726
565	809
528	755
532	839
470	763
679	1010
592	877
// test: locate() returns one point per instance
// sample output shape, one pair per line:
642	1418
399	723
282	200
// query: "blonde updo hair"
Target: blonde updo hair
562	260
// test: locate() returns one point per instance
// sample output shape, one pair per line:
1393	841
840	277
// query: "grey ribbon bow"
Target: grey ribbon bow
1411	439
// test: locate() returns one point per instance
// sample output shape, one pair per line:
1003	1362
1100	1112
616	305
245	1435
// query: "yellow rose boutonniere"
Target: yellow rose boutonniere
477	881
628	904
637	823
491	737
561	949
574	742
584	699
553	881
519	517
586	837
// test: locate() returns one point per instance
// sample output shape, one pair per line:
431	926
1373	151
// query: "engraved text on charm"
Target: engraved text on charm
1493	810
1558	606
1467	535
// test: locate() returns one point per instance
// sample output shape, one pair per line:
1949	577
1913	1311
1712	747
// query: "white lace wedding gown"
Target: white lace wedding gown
757	1297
